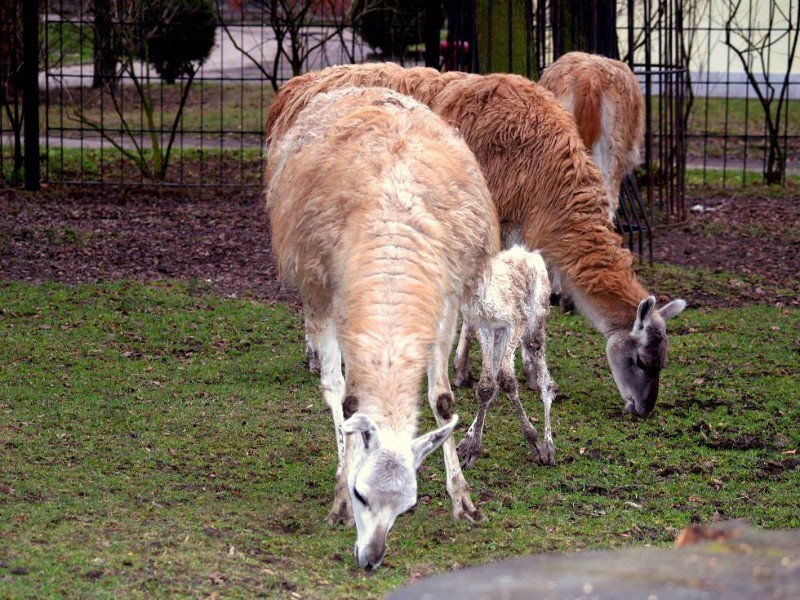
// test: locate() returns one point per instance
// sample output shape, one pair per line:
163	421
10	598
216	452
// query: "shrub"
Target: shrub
174	34
393	25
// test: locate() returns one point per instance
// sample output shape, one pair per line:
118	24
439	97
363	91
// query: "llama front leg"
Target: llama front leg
440	397
461	360
322	336
558	297
312	356
492	343
507	381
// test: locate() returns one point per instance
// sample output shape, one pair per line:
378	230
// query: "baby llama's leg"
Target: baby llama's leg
322	336
440	397
492	343
507	380
533	355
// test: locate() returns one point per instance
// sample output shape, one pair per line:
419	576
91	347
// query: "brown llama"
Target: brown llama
382	220
545	185
604	96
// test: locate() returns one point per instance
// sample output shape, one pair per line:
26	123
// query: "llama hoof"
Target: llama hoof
313	363
465	510
312	359
341	514
544	453
567	305
468	450
464	380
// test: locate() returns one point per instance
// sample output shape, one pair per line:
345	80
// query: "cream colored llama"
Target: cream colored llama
544	184
604	96
512	299
381	218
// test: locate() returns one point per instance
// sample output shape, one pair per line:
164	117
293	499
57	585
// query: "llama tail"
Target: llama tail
587	109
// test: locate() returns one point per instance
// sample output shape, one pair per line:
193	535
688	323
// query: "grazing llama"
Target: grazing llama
543	184
512	299
604	96
381	218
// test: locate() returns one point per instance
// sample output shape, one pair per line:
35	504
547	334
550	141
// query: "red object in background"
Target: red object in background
450	53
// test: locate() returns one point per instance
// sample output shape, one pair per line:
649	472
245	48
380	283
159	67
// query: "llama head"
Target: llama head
637	356
382	481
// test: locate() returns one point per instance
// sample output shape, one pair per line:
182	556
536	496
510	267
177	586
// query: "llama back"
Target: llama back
383	213
604	97
295	94
514	281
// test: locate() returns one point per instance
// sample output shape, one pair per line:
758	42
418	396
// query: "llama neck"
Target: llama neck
384	370
607	313
599	274
578	238
391	306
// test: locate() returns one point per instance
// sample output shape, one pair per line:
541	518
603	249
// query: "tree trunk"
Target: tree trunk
584	25
105	52
504	37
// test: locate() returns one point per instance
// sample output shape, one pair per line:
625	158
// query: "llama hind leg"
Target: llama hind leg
323	338
507	380
440	397
539	378
492	343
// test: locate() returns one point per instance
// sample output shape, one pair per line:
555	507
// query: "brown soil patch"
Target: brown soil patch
79	235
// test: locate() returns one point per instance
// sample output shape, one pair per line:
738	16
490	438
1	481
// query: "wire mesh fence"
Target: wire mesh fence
175	92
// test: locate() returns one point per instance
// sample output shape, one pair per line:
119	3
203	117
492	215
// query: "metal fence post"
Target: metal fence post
30	87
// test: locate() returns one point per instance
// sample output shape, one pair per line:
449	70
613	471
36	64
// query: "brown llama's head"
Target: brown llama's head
638	356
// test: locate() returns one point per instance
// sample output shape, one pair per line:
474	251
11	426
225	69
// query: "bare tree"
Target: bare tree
693	11
106	50
11	76
300	28
133	63
754	46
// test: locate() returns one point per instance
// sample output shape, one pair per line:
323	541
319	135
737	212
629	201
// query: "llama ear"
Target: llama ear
425	444
361	423
643	313
672	309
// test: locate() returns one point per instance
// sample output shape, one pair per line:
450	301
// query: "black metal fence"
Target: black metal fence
138	92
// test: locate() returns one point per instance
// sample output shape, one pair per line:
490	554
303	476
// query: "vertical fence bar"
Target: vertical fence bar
30	98
432	39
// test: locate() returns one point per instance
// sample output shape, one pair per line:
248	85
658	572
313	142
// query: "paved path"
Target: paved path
237	55
730	561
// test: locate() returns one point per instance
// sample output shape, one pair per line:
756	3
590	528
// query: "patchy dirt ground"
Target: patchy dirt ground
88	234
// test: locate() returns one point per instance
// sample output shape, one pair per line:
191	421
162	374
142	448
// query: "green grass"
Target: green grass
209	166
160	441
735	115
700	182
68	43
234	109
